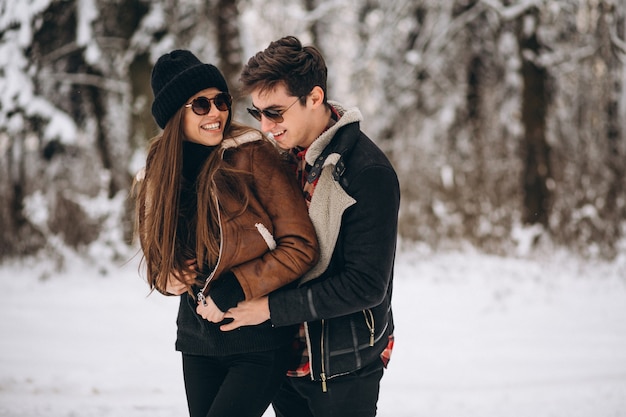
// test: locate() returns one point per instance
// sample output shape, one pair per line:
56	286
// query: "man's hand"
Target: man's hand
209	311
247	313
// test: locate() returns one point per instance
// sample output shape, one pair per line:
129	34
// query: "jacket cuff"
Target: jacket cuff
288	307
226	291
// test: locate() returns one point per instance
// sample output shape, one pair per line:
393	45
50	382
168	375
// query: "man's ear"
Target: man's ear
317	96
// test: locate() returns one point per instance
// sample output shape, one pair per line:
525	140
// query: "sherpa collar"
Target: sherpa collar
348	115
250	136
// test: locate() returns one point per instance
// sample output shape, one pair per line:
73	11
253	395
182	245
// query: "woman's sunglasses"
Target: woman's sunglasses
275	116
202	105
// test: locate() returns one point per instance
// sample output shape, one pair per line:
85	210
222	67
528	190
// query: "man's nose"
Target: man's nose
266	124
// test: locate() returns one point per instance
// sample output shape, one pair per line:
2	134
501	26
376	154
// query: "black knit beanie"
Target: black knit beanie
176	76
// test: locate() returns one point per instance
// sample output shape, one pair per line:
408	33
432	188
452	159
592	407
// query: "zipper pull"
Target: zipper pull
369	316
201	299
323	375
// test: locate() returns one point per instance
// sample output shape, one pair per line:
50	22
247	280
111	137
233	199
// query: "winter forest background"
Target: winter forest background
504	119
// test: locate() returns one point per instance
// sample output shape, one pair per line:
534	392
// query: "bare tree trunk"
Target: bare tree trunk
228	40
314	29
535	148
614	207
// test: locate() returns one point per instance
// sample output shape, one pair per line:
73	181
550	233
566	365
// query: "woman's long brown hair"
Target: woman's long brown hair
157	204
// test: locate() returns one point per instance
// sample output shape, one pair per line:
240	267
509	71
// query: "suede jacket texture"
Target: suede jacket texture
270	244
345	300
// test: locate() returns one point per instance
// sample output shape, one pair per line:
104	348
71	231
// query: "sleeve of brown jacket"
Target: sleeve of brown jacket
296	243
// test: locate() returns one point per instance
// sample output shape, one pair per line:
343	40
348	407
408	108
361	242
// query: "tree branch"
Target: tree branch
91	79
514	11
619	44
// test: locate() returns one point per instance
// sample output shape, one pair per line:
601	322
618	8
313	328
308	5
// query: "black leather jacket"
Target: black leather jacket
345	300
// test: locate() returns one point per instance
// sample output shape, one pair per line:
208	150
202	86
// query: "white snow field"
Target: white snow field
477	336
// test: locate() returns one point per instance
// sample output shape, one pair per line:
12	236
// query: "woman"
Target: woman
219	220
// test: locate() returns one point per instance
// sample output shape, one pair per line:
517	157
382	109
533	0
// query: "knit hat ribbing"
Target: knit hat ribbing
176	77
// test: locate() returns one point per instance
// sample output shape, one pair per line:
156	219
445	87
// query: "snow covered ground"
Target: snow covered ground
477	336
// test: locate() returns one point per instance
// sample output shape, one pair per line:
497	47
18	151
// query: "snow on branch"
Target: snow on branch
514	11
442	39
551	60
619	44
102	83
66	49
322	11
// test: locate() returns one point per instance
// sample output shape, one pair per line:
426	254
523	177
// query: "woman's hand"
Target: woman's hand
209	311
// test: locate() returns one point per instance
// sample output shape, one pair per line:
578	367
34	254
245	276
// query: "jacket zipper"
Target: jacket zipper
200	295
369	321
308	346
323	372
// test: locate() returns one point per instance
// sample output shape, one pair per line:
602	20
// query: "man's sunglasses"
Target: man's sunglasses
275	116
202	105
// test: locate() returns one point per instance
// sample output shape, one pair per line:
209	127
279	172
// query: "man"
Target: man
344	302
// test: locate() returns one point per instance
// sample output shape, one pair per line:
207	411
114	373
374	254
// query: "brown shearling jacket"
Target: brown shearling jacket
273	242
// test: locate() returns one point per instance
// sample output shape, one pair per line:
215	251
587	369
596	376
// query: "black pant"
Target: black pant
351	395
235	385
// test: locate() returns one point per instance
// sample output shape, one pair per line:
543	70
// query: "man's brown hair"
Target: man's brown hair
299	68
